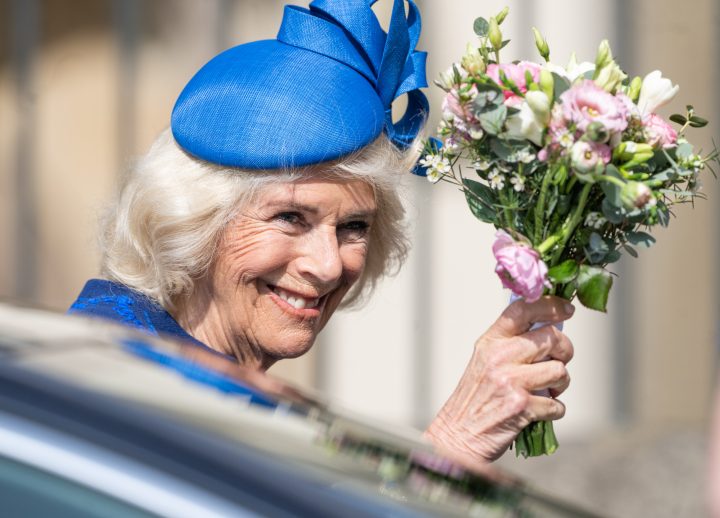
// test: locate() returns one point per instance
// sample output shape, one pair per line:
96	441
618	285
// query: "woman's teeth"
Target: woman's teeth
295	301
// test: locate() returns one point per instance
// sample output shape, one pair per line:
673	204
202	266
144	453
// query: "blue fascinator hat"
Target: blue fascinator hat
321	90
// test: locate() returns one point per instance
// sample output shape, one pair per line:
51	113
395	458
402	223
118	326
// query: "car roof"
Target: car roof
238	435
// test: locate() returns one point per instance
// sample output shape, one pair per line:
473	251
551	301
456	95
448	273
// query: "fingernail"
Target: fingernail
569	308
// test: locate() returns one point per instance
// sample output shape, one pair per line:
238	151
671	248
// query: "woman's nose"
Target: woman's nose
320	257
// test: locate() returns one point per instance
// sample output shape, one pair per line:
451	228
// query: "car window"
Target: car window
27	491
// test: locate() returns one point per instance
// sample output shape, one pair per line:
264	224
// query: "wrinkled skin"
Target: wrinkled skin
494	399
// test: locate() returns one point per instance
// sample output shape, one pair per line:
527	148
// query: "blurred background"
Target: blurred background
86	85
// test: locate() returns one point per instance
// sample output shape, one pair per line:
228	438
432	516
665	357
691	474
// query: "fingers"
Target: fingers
545	342
552	375
542	408
519	316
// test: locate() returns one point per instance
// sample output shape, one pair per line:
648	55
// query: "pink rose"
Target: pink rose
519	267
516	73
658	133
586	103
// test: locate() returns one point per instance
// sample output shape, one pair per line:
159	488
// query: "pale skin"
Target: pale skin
289	257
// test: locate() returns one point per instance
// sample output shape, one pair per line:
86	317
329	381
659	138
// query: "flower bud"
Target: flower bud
656	91
539	104
609	77
494	34
603	56
547	83
634	89
631	153
636	195
597	132
502	15
541	44
473	61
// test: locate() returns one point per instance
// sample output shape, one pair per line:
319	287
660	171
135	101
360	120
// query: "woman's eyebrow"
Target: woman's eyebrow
291	205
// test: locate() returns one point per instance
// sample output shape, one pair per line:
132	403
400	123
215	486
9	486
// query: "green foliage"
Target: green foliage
593	287
481	27
481	200
564	272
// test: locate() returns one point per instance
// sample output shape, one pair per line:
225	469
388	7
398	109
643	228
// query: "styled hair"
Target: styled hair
163	232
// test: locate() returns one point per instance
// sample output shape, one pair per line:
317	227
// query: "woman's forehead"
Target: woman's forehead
315	194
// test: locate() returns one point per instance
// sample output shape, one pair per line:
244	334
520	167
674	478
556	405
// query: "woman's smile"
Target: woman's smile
282	267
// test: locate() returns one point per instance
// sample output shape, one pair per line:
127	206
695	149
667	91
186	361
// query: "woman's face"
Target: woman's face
283	266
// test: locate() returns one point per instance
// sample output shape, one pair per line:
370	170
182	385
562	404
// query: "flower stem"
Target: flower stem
572	223
540	208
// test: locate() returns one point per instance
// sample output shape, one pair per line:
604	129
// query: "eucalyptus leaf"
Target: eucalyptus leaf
613	214
613	256
612	193
560	85
597	249
640	239
564	272
683	151
492	120
678	119
481	27
630	250
594	285
698	122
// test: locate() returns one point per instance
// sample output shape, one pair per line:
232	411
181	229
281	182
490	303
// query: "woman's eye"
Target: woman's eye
293	218
355	229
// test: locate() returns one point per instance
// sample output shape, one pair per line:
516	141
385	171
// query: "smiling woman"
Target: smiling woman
274	200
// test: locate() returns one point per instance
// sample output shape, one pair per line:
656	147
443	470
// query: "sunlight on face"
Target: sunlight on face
283	266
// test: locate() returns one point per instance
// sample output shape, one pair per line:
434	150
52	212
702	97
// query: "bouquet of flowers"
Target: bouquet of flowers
571	164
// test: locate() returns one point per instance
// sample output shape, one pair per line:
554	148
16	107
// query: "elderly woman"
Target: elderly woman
274	201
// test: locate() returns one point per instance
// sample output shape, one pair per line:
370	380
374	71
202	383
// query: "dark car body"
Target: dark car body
100	420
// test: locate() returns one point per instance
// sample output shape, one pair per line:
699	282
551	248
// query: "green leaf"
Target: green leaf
597	249
613	256
492	120
480	198
640	239
594	285
698	122
678	119
684	151
481	27
630	250
663	214
504	44
613	214
560	85
612	193
563	272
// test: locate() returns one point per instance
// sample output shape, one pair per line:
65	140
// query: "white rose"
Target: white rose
656	91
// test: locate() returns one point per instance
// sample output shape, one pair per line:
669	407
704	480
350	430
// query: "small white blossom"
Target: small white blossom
518	183
595	220
525	156
496	179
693	163
481	164
437	166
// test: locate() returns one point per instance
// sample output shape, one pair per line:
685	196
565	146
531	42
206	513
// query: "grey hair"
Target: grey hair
162	233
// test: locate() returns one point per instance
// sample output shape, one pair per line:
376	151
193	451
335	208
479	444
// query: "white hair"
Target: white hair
163	232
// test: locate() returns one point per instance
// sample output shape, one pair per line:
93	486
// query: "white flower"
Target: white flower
595	220
497	180
518	183
529	123
437	166
525	156
481	164
573	69
656	91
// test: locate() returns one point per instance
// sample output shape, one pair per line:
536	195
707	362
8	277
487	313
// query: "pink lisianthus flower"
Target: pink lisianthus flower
586	103
515	73
589	157
519	267
658	133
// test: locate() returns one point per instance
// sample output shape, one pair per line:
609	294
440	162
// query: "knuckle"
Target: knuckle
559	409
557	370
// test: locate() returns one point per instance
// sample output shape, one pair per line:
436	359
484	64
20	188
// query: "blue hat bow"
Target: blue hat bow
324	88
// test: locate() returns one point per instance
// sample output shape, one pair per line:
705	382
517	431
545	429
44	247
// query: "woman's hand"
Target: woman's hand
494	399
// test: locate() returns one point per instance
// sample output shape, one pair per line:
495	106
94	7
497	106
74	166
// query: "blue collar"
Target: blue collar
115	301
